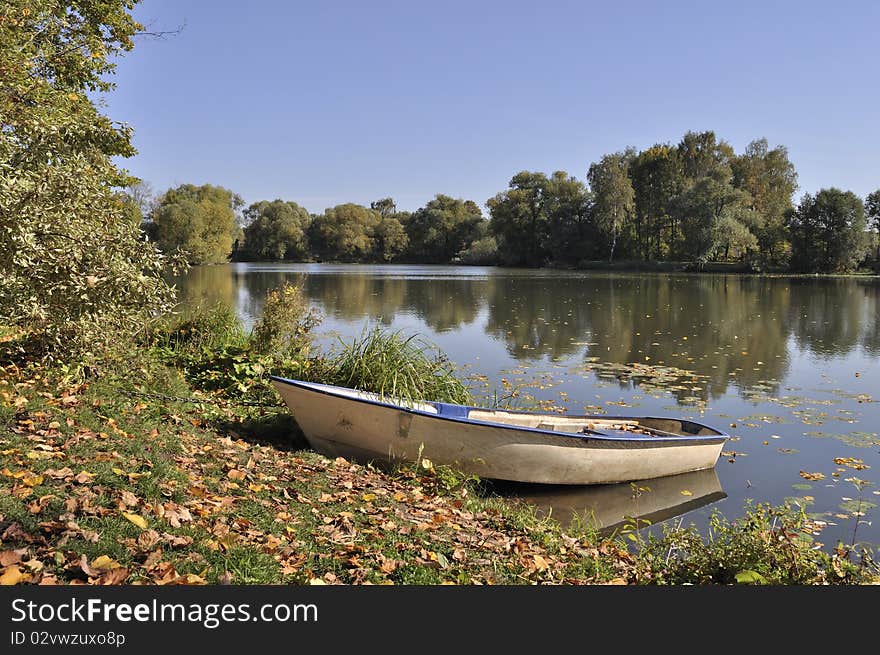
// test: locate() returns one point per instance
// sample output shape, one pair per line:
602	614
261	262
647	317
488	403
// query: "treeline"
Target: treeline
697	201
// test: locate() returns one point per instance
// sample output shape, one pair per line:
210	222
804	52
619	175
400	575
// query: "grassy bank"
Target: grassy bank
154	472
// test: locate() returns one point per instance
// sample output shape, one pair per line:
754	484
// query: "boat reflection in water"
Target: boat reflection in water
609	507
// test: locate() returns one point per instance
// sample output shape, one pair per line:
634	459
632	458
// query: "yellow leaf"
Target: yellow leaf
368	497
105	563
32	480
317	581
686	492
117	470
137	519
12	575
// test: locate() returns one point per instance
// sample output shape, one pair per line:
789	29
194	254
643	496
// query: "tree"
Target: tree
699	210
199	221
385	206
828	232
657	177
345	233
872	214
441	229
731	237
520	222
703	155
571	232
613	195
75	272
770	180
276	230
872	209
390	239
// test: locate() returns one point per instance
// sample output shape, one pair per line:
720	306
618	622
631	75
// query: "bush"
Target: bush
482	252
286	324
75	273
768	545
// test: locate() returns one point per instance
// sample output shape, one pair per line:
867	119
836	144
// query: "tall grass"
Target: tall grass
199	329
394	365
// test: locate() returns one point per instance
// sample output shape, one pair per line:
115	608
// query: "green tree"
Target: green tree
770	180
385	206
613	196
520	220
872	215
828	232
276	230
199	221
75	271
657	177
700	208
571	232
872	209
390	239
703	155
731	236
345	233
441	229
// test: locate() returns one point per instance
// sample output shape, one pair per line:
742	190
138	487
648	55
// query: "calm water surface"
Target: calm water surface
788	366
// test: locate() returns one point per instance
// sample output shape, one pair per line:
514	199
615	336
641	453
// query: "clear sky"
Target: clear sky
326	102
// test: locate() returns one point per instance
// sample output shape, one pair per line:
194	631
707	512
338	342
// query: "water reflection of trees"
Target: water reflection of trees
732	330
713	325
828	316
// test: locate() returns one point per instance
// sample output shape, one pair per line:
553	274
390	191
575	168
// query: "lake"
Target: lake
789	366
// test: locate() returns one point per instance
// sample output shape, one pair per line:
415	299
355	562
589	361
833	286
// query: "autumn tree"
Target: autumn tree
828	232
75	271
276	230
200	221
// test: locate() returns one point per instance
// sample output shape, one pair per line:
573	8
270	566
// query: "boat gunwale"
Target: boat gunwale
323	389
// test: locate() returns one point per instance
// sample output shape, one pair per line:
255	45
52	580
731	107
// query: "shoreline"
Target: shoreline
681	268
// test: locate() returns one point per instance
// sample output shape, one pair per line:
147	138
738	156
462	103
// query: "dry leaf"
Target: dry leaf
137	519
12	576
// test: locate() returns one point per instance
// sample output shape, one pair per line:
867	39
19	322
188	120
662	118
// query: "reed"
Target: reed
394	365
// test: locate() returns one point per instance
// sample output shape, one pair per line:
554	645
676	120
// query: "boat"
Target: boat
611	507
497	444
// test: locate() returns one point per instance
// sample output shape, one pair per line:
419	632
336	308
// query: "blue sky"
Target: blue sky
328	102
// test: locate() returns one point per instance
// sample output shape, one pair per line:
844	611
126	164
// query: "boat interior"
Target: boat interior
659	427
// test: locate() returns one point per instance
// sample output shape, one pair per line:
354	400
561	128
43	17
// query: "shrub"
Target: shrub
767	545
286	325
